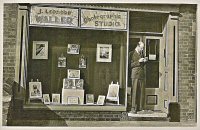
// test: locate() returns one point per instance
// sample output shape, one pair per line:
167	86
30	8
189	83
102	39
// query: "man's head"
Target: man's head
140	46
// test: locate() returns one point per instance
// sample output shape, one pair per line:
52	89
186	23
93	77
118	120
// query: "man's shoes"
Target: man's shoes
133	110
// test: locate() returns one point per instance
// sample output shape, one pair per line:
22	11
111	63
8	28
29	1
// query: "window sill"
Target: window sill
85	107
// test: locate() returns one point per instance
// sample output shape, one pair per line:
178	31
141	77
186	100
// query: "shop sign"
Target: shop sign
103	19
53	16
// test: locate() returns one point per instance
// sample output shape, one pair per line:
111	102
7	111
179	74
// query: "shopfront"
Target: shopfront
54	40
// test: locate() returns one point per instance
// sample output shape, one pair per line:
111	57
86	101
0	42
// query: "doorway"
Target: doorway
155	75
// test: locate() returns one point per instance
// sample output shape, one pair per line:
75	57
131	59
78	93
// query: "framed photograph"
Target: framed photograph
73	49
56	98
151	100
68	83
35	90
79	83
73	74
46	99
72	100
82	62
89	98
100	100
104	53
61	61
40	50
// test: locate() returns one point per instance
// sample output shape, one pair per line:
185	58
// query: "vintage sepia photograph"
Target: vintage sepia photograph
35	90
89	98
62	62
40	50
101	100
104	53
46	99
68	83
55	98
73	74
79	83
73	100
82	62
131	64
73	49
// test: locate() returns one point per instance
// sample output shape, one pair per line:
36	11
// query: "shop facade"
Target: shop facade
103	36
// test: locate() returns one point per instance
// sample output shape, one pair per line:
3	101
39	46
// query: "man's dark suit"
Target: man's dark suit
137	76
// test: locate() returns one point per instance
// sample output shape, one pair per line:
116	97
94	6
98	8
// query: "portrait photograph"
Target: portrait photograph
73	74
89	98
100	100
68	83
61	61
82	62
104	53
79	83
73	49
55	98
46	99
40	50
35	90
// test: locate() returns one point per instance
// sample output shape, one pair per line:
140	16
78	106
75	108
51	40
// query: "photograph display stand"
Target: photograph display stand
113	93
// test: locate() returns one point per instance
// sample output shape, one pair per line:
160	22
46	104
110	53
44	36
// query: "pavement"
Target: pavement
129	124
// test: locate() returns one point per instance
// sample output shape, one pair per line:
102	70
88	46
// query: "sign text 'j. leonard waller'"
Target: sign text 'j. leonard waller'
53	16
104	19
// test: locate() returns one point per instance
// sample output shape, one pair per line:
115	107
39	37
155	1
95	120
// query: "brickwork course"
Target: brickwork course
186	63
187	90
9	50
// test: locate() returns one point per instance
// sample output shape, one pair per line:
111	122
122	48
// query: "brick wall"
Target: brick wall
9	43
187	59
187	87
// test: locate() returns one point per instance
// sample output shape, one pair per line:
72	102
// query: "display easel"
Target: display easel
113	93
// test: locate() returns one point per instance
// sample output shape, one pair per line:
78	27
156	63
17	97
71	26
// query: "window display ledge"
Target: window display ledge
85	107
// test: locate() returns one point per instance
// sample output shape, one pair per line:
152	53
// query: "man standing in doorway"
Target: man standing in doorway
137	62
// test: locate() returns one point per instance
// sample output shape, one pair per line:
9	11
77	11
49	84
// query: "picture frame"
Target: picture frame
73	74
101	100
104	53
46	99
35	90
55	98
40	50
79	83
68	83
72	100
62	62
73	49
89	98
82	62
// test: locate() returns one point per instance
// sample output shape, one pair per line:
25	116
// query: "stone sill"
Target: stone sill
85	107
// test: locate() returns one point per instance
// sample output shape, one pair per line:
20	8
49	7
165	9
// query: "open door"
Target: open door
155	75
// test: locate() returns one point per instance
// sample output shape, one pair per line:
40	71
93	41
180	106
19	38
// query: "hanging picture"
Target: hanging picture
89	98
56	98
104	53
73	48
100	100
61	61
35	90
46	99
73	74
82	62
40	50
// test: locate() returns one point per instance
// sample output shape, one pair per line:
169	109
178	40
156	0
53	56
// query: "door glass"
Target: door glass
152	66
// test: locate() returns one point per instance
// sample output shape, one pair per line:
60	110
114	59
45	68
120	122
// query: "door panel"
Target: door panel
155	73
